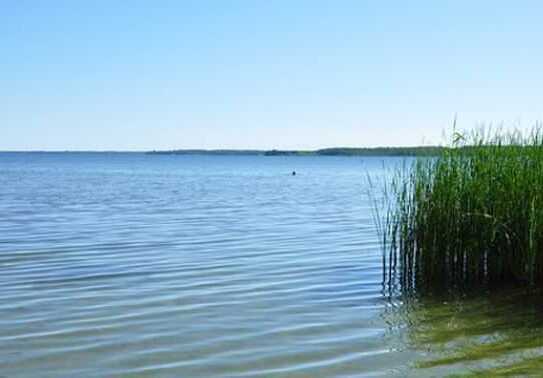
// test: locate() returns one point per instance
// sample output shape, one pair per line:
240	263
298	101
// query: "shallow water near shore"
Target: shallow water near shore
210	266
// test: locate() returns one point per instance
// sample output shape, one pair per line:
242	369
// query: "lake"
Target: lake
132	265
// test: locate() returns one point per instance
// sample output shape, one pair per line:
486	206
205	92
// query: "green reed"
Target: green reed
471	215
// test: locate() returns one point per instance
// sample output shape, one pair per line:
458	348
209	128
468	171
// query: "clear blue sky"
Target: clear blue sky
139	75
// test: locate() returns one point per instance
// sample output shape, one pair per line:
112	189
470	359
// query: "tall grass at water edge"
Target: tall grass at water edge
472	215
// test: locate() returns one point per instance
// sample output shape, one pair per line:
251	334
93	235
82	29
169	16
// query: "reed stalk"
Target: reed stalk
471	215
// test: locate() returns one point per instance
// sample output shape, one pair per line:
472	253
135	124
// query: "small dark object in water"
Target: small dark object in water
293	173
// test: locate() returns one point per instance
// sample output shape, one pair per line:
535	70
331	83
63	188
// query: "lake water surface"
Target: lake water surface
132	265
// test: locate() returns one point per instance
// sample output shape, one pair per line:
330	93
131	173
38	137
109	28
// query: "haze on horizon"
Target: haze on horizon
112	75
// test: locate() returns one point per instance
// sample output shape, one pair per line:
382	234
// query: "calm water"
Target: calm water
196	266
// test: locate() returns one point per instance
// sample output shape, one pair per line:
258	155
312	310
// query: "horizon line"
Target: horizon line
209	149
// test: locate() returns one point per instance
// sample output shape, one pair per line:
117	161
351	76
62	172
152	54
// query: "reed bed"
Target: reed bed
471	215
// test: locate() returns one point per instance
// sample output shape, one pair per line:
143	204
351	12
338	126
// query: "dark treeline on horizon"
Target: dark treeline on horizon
336	151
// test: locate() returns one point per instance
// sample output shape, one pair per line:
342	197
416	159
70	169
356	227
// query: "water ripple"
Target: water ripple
131	265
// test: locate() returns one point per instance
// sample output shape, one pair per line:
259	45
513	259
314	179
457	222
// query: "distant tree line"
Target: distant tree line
336	151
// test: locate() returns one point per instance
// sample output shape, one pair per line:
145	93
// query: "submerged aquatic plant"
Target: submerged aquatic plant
496	334
471	215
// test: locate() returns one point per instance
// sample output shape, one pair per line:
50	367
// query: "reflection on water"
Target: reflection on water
493	333
127	265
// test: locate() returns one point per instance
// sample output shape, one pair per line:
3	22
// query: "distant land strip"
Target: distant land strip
336	151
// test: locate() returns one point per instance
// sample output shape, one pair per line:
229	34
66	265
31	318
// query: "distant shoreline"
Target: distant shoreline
335	151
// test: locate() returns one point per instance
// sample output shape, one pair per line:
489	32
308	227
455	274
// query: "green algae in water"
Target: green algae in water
498	333
530	367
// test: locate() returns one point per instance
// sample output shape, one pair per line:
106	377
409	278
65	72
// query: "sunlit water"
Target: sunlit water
204	266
